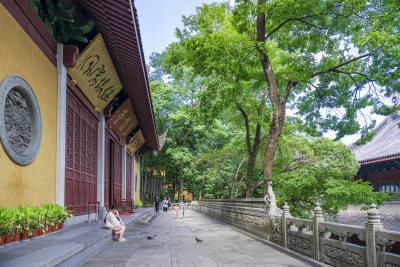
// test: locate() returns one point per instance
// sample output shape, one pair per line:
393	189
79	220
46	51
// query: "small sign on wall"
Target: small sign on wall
95	74
135	142
123	120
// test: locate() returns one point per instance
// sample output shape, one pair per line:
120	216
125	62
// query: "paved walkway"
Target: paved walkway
175	245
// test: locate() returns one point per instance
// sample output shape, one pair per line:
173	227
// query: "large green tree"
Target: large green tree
320	55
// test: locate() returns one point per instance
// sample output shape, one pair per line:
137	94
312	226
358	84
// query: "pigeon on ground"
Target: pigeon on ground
198	239
151	236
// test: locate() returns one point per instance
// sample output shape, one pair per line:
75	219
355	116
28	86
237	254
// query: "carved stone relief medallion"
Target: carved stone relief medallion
20	120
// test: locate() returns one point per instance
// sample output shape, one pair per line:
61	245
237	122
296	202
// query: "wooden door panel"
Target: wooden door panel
81	156
116	167
107	172
128	175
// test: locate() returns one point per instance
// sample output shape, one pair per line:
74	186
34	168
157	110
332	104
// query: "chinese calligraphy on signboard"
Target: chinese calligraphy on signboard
136	142
95	74
123	120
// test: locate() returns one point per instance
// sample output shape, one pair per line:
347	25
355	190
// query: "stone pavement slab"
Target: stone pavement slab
175	246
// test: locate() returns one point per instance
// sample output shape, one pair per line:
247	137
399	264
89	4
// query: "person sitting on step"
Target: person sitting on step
114	224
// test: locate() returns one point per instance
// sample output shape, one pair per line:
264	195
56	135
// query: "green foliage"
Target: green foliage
27	218
67	27
212	91
322	171
138	203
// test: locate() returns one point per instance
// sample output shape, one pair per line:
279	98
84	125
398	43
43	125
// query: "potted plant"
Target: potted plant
138	204
7	228
63	214
47	219
3	226
40	213
17	224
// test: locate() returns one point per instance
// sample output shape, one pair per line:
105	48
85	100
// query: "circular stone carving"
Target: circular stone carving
20	120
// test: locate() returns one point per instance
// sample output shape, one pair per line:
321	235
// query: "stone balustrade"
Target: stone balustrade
332	243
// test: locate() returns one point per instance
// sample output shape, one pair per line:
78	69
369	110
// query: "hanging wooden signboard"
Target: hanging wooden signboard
123	120
95	74
136	142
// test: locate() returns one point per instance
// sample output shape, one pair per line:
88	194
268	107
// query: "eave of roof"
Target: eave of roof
384	146
118	23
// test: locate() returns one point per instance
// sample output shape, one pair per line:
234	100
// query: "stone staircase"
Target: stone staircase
145	218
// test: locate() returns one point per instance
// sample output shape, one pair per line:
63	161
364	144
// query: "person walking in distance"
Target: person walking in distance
156	204
176	209
169	203
165	205
182	208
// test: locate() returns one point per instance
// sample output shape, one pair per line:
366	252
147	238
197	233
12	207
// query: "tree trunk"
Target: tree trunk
235	176
278	104
275	131
201	187
252	150
181	182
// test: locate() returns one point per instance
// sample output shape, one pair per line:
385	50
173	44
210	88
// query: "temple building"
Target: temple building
380	158
380	165
75	103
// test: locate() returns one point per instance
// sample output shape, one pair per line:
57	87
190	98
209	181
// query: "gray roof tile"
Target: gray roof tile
386	142
390	216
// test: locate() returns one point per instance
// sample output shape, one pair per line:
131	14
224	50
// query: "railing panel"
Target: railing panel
338	253
388	259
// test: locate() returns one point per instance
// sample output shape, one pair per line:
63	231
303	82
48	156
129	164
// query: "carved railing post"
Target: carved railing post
285	214
318	218
373	224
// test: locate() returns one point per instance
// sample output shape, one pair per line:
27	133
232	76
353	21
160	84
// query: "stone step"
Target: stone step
145	218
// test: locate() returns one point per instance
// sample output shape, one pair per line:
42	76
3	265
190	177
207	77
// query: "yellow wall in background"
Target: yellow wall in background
137	176
35	183
187	196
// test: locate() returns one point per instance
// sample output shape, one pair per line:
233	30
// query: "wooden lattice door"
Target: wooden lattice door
128	176
116	171
112	171
107	172
81	156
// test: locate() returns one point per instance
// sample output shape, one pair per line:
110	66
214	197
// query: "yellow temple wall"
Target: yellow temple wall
35	183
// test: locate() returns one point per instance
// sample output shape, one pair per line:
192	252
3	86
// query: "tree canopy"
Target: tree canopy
236	70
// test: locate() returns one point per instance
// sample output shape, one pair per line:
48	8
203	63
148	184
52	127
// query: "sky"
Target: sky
158	20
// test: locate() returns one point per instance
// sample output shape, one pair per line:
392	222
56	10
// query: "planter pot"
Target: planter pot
1	241
25	236
35	233
60	226
17	237
8	239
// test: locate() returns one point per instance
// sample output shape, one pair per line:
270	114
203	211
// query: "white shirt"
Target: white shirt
165	203
111	220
